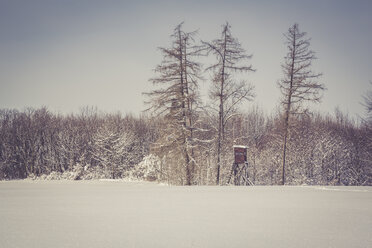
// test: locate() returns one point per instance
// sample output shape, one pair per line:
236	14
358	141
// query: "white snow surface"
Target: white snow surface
37	214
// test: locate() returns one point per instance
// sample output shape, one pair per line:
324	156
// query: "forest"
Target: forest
179	140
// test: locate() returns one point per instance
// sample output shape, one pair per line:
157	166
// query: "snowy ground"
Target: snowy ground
37	214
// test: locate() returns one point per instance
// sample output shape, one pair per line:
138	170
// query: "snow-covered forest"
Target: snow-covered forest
322	149
180	141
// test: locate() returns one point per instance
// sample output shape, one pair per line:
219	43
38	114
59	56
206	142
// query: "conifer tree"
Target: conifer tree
175	98
226	91
299	83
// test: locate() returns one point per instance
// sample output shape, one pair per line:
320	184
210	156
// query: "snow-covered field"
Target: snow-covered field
37	214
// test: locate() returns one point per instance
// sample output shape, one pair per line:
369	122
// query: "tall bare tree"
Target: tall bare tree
367	97
226	91
368	125
300	83
177	94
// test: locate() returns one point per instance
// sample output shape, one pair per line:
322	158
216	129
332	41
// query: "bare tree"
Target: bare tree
177	94
368	103
226	91
368	128
112	143
255	128
300	83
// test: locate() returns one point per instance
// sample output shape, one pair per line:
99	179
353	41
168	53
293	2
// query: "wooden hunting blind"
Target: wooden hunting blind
239	171
240	154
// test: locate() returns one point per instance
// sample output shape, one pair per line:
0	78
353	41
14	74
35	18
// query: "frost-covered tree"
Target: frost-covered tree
226	92
299	84
175	98
254	135
368	103
368	133
112	148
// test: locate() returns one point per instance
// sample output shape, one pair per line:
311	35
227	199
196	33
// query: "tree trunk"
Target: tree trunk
288	110
221	131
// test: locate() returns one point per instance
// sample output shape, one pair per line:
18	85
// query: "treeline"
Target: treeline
323	150
37	142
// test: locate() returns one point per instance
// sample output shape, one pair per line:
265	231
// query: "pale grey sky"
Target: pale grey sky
69	54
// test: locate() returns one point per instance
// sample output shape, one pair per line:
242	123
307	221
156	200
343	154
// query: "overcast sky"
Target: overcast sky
69	54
